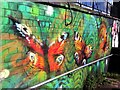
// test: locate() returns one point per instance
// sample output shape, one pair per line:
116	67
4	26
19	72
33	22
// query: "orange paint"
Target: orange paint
40	62
82	51
79	45
103	37
56	49
34	45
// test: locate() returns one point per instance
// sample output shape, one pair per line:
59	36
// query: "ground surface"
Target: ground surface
110	83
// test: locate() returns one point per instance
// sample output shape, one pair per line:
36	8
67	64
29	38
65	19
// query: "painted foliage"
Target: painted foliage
37	44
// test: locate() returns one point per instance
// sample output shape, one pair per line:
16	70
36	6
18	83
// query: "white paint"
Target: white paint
21	28
49	10
4	74
84	61
115	30
115	41
106	61
98	63
60	59
32	57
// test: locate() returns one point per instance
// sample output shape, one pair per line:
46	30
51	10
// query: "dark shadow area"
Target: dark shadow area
114	62
115	9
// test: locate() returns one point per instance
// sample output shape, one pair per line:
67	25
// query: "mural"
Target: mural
37	45
115	31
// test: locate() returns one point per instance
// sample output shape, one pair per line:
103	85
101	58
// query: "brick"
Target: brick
30	23
5	36
5	4
47	24
8	41
38	29
3	42
23	21
27	16
28	9
1	28
10	22
30	4
7	13
5	28
56	14
21	8
20	48
13	6
10	31
1	5
6	65
4	53
0	21
56	25
17	14
41	6
26	23
51	19
46	18
42	24
5	21
1	12
35	10
12	36
33	30
35	23
41	18
7	58
13	49
0	41
9	45
42	12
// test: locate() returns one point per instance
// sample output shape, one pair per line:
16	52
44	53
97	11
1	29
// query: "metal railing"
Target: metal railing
102	6
71	71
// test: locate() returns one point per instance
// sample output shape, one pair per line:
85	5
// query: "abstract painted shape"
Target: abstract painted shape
83	52
33	57
55	52
103	44
36	60
4	74
115	31
49	11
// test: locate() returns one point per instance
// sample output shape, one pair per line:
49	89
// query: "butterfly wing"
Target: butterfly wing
20	68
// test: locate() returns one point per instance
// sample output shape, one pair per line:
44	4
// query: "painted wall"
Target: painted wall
115	31
37	45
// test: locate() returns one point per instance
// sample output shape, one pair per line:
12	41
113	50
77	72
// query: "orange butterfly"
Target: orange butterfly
83	51
36	54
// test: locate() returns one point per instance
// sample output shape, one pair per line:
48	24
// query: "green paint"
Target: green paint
28	9
102	65
42	12
35	10
1	13
5	21
49	29
5	5
21	8
3	42
13	6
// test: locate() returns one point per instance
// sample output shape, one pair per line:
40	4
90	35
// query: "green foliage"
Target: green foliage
113	75
93	80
